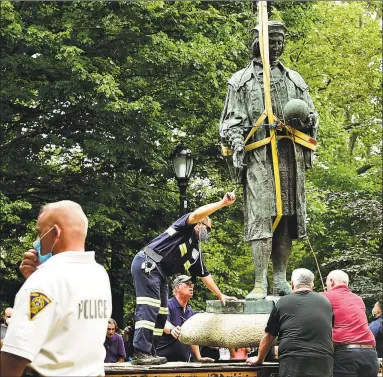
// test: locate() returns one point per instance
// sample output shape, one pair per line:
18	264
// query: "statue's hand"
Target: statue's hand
238	158
297	123
238	151
307	125
235	139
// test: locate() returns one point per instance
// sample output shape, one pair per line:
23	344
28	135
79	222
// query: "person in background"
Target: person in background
224	353
114	344
212	352
376	326
239	353
354	343
179	311
6	319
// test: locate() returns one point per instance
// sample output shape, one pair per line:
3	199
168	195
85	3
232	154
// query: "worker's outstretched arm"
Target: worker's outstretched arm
200	213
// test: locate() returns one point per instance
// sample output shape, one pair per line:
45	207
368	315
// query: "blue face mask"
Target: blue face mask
37	247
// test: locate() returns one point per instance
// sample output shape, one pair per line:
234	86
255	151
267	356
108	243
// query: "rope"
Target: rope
316	261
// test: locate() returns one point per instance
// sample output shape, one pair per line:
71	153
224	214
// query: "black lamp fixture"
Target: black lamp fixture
182	161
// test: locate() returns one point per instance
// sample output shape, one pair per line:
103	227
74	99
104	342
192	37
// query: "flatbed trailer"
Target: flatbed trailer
193	369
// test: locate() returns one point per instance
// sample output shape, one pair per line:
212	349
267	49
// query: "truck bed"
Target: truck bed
194	369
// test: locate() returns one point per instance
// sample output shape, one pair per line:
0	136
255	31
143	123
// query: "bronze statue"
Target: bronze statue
254	168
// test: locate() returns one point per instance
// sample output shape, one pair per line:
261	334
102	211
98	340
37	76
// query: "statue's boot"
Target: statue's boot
261	250
282	243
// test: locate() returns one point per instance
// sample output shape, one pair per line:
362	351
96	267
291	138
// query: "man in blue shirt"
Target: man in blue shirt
177	250
179	311
114	344
376	326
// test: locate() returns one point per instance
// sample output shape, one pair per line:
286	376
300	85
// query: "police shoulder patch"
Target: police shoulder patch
37	302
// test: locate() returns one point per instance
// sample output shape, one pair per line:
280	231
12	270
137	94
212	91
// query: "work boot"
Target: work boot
163	359
142	358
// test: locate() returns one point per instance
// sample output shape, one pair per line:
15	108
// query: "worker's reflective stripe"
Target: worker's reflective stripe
187	265
158	332
164	310
170	231
145	324
148	301
183	249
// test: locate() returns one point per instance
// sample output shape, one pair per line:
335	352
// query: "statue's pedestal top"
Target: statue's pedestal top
261	306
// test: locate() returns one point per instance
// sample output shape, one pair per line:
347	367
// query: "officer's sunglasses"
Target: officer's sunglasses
189	283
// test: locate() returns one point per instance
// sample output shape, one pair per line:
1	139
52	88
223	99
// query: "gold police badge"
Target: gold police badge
37	302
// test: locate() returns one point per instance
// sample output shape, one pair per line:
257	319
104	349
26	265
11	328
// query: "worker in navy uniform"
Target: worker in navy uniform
176	251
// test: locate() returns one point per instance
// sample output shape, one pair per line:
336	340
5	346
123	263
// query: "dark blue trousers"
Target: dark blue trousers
355	362
151	305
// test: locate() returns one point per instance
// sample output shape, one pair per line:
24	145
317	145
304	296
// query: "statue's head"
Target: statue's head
277	32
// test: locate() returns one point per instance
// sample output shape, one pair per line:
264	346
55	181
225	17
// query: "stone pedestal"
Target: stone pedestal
239	323
263	306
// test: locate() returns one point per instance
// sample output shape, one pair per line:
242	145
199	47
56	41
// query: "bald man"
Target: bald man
4	326
62	310
354	343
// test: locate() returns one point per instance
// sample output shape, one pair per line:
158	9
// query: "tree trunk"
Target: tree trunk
117	289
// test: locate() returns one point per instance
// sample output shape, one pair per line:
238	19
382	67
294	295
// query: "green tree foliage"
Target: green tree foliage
96	95
341	62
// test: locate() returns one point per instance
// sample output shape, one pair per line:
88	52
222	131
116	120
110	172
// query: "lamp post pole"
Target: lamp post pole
182	184
182	161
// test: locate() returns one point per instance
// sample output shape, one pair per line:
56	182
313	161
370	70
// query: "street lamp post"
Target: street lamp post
182	161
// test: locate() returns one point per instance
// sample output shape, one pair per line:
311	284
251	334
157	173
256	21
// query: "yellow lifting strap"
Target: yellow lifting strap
256	126
264	48
296	136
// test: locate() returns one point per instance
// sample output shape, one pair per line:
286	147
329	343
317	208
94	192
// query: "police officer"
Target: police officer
62	310
177	250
